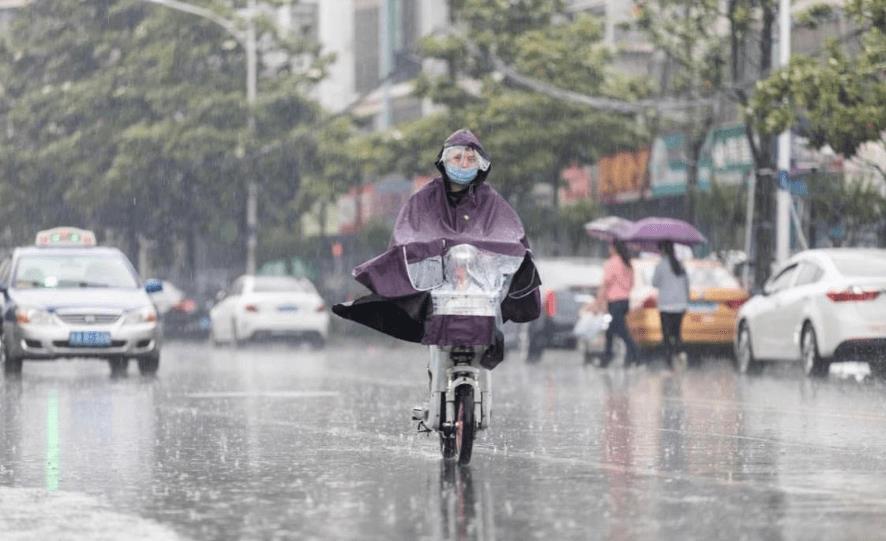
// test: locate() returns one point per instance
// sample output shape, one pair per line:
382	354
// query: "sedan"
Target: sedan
821	306
76	301
264	307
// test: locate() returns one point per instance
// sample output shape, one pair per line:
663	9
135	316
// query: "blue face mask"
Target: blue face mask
459	175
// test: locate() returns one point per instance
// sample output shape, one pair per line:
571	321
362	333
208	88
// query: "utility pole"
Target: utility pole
783	197
388	22
252	187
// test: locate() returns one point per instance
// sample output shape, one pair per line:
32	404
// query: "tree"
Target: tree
130	117
531	136
836	99
695	55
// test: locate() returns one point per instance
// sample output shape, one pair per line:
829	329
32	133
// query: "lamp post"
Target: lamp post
783	195
246	39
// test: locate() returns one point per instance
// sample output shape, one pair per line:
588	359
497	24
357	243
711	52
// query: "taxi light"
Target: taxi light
852	295
650	302
551	304
65	236
251	308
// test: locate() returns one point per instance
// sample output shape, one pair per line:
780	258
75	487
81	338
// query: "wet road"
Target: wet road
276	443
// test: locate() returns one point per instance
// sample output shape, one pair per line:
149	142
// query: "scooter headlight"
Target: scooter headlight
145	314
33	316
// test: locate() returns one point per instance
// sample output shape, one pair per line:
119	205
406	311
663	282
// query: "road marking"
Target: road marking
52	450
265	394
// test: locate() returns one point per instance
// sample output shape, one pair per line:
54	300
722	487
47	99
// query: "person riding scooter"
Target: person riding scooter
457	208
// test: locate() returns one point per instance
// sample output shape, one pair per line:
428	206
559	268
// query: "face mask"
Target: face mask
459	175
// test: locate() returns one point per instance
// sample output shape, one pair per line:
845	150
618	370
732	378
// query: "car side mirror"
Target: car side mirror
153	285
220	295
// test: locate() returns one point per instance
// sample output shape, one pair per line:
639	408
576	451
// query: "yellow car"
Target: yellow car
715	297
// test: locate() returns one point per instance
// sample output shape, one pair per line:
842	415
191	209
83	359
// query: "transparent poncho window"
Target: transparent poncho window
464	156
466	281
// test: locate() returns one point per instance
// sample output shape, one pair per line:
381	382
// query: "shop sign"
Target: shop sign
622	176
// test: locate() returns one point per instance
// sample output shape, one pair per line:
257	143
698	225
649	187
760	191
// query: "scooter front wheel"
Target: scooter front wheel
463	431
447	441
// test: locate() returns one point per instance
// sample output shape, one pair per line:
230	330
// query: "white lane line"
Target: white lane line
265	394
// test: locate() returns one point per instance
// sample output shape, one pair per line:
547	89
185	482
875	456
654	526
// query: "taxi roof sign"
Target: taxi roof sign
65	236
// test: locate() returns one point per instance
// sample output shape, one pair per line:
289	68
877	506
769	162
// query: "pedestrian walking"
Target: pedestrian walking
618	280
672	281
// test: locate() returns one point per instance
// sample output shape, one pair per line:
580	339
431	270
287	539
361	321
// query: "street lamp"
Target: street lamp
247	41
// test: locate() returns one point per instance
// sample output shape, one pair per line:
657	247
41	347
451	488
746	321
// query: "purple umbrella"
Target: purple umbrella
654	229
608	228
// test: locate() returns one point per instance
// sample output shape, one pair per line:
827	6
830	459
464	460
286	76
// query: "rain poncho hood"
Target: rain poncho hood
465	138
427	226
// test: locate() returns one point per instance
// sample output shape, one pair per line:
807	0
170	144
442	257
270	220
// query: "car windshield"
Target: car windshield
268	284
59	271
866	264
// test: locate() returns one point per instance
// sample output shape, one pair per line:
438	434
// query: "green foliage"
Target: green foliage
573	218
132	117
836	100
722	213
531	137
853	206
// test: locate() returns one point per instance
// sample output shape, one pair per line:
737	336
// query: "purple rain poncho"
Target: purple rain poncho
427	226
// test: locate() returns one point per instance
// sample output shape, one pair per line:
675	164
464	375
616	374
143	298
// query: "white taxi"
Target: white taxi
67	297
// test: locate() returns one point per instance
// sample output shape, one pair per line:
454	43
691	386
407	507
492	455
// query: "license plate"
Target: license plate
89	339
702	306
287	308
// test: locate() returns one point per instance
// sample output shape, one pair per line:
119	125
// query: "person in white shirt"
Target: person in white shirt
672	281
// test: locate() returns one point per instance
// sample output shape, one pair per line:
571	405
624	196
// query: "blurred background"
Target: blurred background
213	138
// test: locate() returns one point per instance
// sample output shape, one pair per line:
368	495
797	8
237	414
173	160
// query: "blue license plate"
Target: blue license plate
89	339
287	308
701	306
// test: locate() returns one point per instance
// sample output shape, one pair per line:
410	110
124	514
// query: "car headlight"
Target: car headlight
33	316
146	314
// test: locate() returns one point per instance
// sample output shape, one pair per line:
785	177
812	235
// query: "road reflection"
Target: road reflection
464	504
78	434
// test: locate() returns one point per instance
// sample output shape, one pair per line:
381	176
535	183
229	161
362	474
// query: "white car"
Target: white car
257	307
821	306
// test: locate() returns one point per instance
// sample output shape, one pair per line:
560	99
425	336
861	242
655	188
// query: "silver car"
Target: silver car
75	301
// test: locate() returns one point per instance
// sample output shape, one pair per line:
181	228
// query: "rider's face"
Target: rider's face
464	158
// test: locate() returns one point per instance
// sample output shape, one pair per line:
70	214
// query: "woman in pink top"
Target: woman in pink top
618	279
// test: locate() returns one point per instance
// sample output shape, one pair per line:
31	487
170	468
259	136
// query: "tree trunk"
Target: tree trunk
764	167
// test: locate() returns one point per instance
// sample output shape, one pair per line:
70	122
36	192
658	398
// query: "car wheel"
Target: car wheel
11	365
878	369
235	339
118	366
535	346
317	342
813	364
745	363
213	338
148	366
